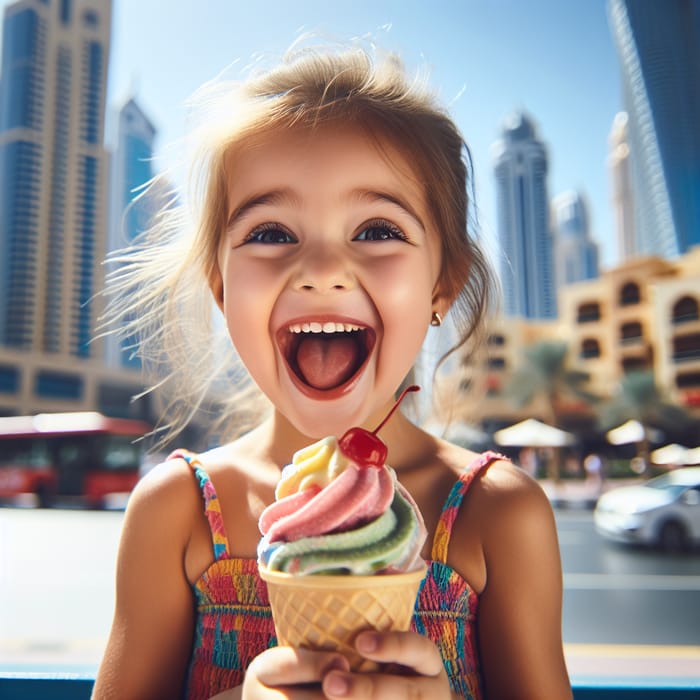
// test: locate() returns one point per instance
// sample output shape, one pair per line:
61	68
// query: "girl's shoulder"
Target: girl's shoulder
170	479
503	493
163	496
508	509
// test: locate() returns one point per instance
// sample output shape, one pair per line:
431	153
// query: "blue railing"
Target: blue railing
38	686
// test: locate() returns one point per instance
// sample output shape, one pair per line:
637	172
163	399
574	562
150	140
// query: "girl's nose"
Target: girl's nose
324	270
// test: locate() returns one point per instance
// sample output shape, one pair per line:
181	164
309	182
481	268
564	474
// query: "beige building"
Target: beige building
35	382
641	315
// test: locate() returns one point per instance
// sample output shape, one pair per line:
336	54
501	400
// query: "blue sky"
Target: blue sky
553	58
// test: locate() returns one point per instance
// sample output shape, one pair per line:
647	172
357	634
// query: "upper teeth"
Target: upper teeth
328	327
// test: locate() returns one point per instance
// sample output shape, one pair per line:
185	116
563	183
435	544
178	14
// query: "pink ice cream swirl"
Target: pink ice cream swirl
332	515
356	496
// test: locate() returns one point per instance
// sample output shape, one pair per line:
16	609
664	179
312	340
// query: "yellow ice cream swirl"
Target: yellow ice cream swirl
314	465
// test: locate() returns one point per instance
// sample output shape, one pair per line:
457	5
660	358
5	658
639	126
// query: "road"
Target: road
627	613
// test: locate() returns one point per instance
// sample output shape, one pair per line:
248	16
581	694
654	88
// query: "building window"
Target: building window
590	348
58	385
66	11
93	97
688	380
91	19
629	294
118	401
9	379
630	333
685	310
19	168
496	363
686	347
588	312
19	103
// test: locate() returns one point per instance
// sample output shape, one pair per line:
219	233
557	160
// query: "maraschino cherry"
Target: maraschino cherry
364	447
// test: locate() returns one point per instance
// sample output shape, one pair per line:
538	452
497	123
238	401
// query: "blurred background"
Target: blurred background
582	120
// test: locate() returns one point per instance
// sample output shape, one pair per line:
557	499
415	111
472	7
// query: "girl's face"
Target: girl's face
327	233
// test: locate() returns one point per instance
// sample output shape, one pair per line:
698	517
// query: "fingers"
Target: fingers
425	676
377	686
276	671
406	648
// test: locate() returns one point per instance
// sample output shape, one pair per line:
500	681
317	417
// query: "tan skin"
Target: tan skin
505	532
504	539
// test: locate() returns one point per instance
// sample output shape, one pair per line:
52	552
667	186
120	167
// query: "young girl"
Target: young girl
333	231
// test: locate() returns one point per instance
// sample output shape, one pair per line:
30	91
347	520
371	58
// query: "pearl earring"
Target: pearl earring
436	319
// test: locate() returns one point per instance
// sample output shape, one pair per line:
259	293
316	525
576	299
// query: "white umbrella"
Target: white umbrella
533	433
670	454
692	456
630	432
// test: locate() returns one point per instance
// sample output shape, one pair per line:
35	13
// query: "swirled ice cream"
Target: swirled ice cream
333	514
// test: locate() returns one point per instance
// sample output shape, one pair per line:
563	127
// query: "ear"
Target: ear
216	284
442	299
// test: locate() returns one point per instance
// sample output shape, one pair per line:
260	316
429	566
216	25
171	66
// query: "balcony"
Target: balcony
685	311
686	355
590	348
686	348
588	313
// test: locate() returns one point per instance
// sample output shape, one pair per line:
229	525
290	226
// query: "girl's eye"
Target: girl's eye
270	233
380	231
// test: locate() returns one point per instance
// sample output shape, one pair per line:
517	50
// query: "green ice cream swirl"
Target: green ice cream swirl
387	543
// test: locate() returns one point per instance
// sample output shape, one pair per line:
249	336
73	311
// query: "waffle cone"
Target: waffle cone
327	612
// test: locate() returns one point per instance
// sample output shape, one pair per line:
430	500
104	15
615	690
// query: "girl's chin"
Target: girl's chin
317	413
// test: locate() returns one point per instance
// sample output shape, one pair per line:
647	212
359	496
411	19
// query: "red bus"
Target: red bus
81	456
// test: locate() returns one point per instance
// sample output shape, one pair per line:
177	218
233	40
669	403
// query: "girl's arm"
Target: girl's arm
520	606
151	637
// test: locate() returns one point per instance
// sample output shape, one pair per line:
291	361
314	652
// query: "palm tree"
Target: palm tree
544	373
638	398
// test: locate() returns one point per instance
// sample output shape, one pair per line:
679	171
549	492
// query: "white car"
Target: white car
664	511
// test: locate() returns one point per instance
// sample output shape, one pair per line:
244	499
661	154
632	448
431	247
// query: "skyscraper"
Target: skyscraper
131	209
659	48
527	274
576	254
621	187
52	173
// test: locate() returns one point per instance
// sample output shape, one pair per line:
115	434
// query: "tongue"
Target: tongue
326	361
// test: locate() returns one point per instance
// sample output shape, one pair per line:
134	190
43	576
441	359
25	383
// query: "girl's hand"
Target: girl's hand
423	676
293	674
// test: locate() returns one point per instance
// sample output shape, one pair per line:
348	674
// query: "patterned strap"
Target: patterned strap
443	531
212	507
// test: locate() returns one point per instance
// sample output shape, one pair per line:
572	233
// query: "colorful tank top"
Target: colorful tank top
234	624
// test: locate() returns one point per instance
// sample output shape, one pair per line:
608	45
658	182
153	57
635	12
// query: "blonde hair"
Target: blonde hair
160	288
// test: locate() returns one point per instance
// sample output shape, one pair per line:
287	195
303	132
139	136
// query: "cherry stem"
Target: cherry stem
413	387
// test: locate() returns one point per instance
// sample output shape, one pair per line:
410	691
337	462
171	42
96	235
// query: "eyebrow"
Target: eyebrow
259	200
288	196
374	196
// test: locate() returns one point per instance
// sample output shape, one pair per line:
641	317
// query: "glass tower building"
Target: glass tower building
576	254
131	209
621	187
659	48
52	173
527	272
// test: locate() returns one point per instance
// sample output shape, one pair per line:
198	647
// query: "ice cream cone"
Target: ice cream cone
327	612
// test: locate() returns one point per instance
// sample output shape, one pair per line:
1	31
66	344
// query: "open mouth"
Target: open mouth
325	355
